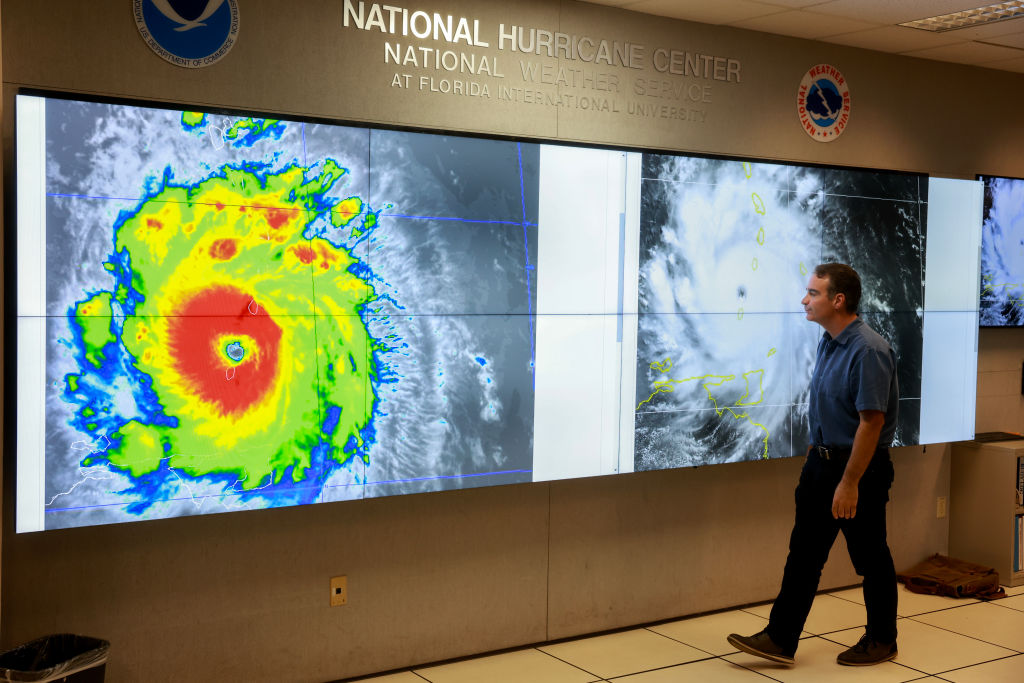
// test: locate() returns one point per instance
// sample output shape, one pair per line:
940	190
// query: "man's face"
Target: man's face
817	306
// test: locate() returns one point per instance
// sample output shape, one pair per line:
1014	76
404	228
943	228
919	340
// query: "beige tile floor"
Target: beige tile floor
941	639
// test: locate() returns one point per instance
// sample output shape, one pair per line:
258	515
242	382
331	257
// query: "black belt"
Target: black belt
831	452
836	453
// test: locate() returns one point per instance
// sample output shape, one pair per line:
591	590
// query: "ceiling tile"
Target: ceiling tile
896	11
868	24
1013	40
718	12
1008	65
793	4
894	39
967	53
803	24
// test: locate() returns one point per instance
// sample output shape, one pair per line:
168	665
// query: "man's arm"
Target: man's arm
865	441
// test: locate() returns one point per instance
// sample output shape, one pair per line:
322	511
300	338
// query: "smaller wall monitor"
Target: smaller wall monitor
1002	253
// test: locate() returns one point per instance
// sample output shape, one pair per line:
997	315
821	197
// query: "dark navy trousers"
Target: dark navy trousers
814	532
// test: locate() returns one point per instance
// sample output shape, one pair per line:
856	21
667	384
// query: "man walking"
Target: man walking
844	484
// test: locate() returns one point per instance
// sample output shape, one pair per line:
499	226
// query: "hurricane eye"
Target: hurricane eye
235	351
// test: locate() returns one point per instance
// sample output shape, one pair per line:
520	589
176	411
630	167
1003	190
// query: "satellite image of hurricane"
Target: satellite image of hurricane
1002	254
726	248
246	313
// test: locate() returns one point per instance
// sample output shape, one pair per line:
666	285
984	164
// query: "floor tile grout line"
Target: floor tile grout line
968	666
710	657
935	611
370	678
692	647
850	628
902	616
974	601
676	640
575	666
980	640
965	635
924	674
762	673
824	636
1015	609
695	661
839	597
1017	653
970	601
747	668
663	668
901	664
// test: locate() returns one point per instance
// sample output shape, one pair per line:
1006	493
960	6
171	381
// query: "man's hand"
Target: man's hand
844	502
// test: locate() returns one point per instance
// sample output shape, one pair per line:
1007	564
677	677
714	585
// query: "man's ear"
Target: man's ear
839	302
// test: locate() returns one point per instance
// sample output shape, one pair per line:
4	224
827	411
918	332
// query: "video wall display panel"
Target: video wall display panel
724	356
221	312
1002	253
240	312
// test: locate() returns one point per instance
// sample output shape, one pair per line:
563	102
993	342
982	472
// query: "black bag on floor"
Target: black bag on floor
941	575
61	657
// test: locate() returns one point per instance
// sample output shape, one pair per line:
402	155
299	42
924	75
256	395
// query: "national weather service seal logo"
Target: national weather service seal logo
188	33
823	103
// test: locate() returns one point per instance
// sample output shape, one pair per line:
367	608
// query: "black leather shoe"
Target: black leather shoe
867	652
761	645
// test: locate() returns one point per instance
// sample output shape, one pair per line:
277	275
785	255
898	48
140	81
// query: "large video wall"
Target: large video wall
220	312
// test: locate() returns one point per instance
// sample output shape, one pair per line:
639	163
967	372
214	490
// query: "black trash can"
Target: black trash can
61	658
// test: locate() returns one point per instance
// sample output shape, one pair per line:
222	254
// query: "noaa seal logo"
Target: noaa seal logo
823	103
189	33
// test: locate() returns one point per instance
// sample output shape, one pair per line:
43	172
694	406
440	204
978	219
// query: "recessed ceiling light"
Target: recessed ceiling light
1001	11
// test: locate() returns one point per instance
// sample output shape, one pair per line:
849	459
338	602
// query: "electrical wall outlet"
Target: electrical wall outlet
339	591
940	507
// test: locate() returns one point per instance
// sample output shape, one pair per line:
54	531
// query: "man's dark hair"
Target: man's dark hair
842	279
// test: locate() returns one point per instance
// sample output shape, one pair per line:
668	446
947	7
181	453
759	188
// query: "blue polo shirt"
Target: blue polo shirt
855	371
